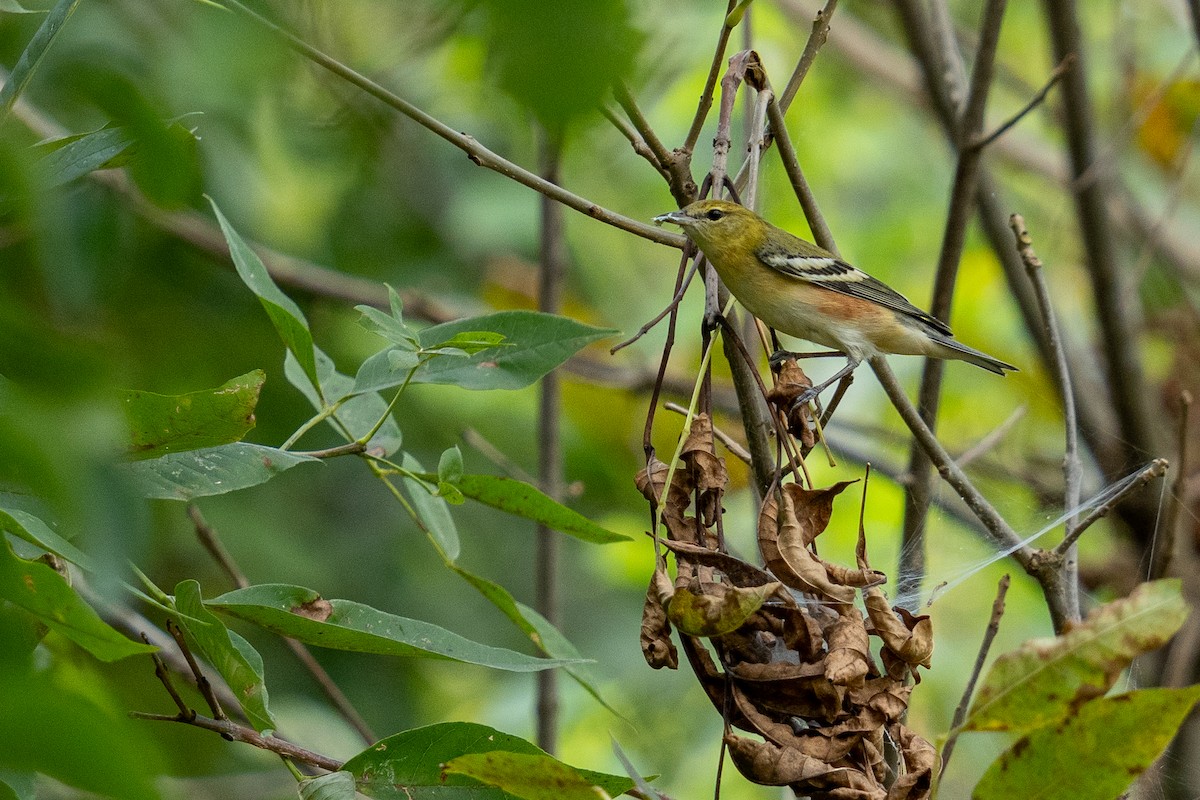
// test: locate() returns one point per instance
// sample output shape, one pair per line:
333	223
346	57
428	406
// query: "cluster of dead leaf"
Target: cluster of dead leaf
793	660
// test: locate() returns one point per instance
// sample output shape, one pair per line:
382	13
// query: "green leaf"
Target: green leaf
213	470
26	526
358	414
334	786
1045	679
467	343
83	154
233	657
34	53
303	614
722	609
13	7
285	315
391	327
433	511
533	776
163	423
1095	754
519	498
535	343
449	474
450	465
409	764
41	591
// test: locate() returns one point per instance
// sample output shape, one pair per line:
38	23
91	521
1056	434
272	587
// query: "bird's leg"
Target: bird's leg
813	391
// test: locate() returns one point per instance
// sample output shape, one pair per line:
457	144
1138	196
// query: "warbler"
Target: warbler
808	292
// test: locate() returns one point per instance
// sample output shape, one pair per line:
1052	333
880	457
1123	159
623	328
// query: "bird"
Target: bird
807	292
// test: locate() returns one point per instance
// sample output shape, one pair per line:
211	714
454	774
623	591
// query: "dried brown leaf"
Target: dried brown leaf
707	470
737	571
783	540
657	647
920	760
884	695
771	765
849	659
791	690
789	385
907	636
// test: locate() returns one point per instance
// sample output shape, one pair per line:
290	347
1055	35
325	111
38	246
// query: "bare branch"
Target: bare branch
1156	469
710	84
816	40
1072	467
1164	546
240	733
1033	103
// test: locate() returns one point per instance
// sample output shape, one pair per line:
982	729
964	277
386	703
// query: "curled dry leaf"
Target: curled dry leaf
790	383
657	647
783	539
737	571
908	636
920	760
849	658
706	468
769	764
790	690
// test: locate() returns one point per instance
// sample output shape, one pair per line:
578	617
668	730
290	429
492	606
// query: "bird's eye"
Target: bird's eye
715	214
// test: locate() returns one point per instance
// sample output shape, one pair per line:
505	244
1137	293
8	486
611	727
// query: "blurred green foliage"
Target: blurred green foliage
99	294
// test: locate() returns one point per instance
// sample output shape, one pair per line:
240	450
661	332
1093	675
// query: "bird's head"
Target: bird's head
709	223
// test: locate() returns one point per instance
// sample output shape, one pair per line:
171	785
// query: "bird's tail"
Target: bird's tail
957	350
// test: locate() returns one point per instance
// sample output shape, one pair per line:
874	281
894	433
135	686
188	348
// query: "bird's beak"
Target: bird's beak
676	217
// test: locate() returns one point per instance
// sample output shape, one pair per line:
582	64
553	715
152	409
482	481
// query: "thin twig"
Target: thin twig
710	84
552	268
202	682
240	733
791	165
675	167
1164	548
816	40
348	449
635	139
989	635
476	152
1072	467
657	318
164	676
212	543
1156	469
216	548
999	531
1033	103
